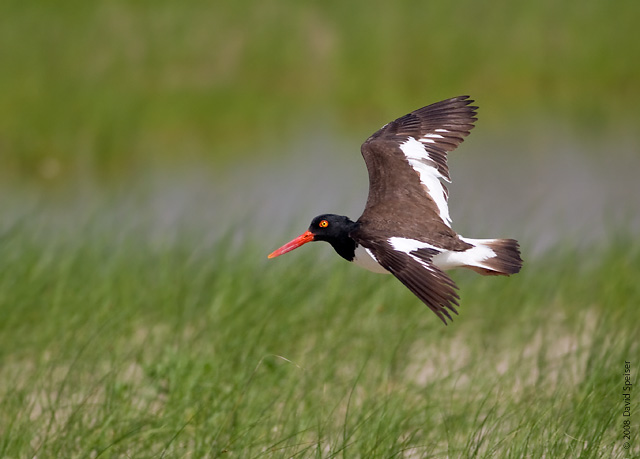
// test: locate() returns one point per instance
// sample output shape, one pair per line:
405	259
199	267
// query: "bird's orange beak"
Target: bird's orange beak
305	237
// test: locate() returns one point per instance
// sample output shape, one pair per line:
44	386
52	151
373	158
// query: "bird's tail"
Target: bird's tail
497	257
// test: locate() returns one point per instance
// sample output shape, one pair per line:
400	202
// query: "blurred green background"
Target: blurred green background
152	153
104	88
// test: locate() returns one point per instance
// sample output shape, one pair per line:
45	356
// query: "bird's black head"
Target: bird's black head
331	228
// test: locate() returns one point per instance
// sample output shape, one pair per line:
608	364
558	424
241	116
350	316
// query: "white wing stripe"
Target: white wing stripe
429	176
406	245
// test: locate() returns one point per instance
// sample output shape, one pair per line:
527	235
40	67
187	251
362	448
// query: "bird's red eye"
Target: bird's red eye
323	224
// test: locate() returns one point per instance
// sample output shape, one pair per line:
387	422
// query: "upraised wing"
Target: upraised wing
407	159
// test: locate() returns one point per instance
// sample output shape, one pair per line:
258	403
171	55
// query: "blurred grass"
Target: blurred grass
94	88
115	345
128	329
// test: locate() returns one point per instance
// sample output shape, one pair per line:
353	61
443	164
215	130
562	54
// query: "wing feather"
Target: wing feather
416	271
408	157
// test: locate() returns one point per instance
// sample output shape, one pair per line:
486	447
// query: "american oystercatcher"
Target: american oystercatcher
405	228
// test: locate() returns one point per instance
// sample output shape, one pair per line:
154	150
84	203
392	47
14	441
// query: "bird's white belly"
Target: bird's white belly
365	259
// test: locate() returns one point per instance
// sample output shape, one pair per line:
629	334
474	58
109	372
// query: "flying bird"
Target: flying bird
405	228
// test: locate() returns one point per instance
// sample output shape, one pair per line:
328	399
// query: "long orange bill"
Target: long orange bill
305	237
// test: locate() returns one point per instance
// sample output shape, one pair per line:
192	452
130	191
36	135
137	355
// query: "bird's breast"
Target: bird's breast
365	259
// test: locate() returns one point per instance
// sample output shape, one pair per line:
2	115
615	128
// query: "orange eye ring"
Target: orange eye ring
323	224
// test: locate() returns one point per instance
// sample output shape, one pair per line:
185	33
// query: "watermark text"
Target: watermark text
627	387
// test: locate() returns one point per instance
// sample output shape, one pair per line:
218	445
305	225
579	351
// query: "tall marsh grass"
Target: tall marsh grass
113	345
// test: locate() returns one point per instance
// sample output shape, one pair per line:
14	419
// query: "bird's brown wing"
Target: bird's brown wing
407	159
414	268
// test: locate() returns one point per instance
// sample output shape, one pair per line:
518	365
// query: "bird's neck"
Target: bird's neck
343	244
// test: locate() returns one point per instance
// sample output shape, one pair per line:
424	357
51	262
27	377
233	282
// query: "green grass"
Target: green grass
103	87
114	344
123	338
